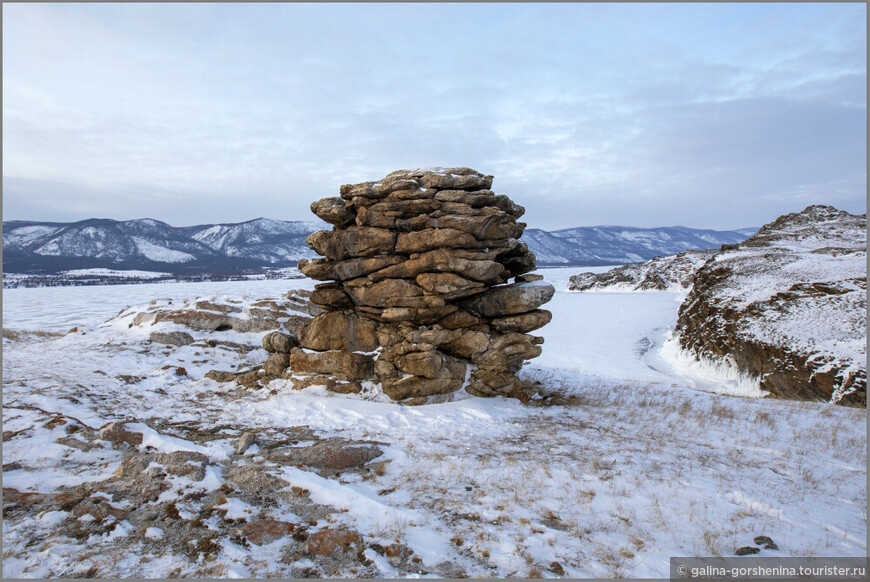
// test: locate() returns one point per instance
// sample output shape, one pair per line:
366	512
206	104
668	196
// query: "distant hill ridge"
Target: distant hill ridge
620	245
148	244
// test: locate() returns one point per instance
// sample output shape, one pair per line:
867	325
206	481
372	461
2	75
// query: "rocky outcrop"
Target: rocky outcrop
788	307
289	313
172	338
419	298
671	273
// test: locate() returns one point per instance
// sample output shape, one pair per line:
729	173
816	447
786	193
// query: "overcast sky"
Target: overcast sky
711	116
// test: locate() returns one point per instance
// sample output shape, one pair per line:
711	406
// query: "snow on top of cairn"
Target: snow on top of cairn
439	170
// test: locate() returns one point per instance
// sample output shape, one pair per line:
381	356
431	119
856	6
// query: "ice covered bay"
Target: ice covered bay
614	336
60	308
596	334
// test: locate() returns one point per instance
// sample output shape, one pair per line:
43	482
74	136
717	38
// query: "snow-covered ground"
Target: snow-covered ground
61	308
618	464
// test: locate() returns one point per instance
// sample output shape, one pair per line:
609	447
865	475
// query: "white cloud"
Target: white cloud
637	114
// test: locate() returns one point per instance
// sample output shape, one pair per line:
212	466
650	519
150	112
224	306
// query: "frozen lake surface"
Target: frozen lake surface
608	335
60	308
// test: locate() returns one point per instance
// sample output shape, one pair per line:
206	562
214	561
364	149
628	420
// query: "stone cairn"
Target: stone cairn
417	300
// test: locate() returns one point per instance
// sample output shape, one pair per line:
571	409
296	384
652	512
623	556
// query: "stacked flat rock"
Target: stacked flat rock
419	297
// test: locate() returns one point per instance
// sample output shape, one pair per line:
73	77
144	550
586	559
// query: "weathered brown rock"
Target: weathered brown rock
487	223
339	330
196	319
363	292
278	342
172	338
320	269
402	208
329	540
190	464
355	241
509	299
354	268
508	350
341	365
428	364
460	319
117	433
330	296
523	322
475	199
518	261
453	181
505	204
434	336
365	189
449	377
443	261
416	301
412	194
421	315
434	238
448	285
265	531
275	364
413	259
497	381
468	346
333	211
245	441
329	454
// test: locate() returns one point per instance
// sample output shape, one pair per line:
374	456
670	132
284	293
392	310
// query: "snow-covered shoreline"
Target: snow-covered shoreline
614	466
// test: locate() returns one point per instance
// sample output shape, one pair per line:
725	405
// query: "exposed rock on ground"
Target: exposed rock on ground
189	505
210	323
211	315
173	338
788	306
671	273
419	300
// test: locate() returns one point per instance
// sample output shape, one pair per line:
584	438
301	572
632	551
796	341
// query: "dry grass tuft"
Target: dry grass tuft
23	334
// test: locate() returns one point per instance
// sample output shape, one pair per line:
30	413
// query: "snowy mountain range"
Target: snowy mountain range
620	245
147	244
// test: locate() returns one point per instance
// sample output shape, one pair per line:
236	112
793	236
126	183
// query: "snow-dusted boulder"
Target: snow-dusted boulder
788	307
671	273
